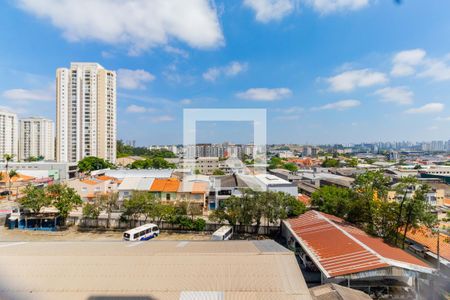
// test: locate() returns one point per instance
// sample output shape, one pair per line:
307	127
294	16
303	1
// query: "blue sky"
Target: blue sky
327	71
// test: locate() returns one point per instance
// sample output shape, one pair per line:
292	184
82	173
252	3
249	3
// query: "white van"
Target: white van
141	233
223	233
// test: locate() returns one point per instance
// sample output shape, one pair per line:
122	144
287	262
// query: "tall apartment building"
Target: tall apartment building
8	134
85	112
36	138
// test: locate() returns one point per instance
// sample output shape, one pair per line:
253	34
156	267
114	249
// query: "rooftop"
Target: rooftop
154	173
339	249
151	270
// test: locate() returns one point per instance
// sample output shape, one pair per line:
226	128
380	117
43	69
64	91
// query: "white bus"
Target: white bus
141	233
223	233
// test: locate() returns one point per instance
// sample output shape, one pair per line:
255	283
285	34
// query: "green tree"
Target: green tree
369	187
135	206
8	158
35	199
333	200
403	188
291	167
11	174
330	163
64	198
417	212
92	163
152	163
353	162
218	172
91	210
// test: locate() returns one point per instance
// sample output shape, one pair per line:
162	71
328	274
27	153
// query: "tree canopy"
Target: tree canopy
92	163
61	197
152	163
367	204
279	163
127	150
255	207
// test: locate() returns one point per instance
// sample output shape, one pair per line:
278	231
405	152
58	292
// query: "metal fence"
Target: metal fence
117	224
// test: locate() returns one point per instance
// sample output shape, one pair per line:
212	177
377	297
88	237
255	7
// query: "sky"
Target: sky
326	71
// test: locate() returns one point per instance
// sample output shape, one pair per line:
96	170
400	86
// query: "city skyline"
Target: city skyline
323	82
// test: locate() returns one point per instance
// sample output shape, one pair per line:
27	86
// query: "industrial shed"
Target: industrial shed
150	270
347	255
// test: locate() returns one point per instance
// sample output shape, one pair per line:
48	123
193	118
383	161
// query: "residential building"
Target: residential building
36	138
8	134
56	171
165	189
133	184
85	112
90	188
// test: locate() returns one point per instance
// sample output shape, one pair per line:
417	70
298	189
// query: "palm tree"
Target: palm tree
11	175
7	158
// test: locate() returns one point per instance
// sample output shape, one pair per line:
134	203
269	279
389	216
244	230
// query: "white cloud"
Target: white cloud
427	108
139	24
339	105
400	95
270	10
163	118
138	109
211	74
437	70
232	69
288	117
405	62
265	94
186	101
349	80
330	6
29	95
291	110
446	119
133	79
177	51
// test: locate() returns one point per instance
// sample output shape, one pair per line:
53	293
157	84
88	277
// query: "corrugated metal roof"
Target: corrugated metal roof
136	184
153	270
341	249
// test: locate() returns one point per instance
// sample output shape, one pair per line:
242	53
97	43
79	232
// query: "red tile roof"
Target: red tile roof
304	199
426	238
341	249
168	185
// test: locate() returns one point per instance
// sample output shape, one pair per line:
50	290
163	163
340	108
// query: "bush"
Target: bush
199	224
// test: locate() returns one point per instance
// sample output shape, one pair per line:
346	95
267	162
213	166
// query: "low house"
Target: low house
133	184
165	189
343	254
195	190
89	188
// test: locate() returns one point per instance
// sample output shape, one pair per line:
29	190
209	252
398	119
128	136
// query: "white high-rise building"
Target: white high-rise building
85	112
36	138
8	134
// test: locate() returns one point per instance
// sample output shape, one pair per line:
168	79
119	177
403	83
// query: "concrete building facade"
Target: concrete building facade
8	134
36	138
85	112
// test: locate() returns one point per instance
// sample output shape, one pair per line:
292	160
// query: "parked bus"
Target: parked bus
223	233
141	233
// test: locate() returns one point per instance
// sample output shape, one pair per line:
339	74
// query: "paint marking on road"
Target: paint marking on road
13	244
182	244
134	244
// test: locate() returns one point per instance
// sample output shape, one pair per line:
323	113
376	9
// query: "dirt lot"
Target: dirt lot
73	234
